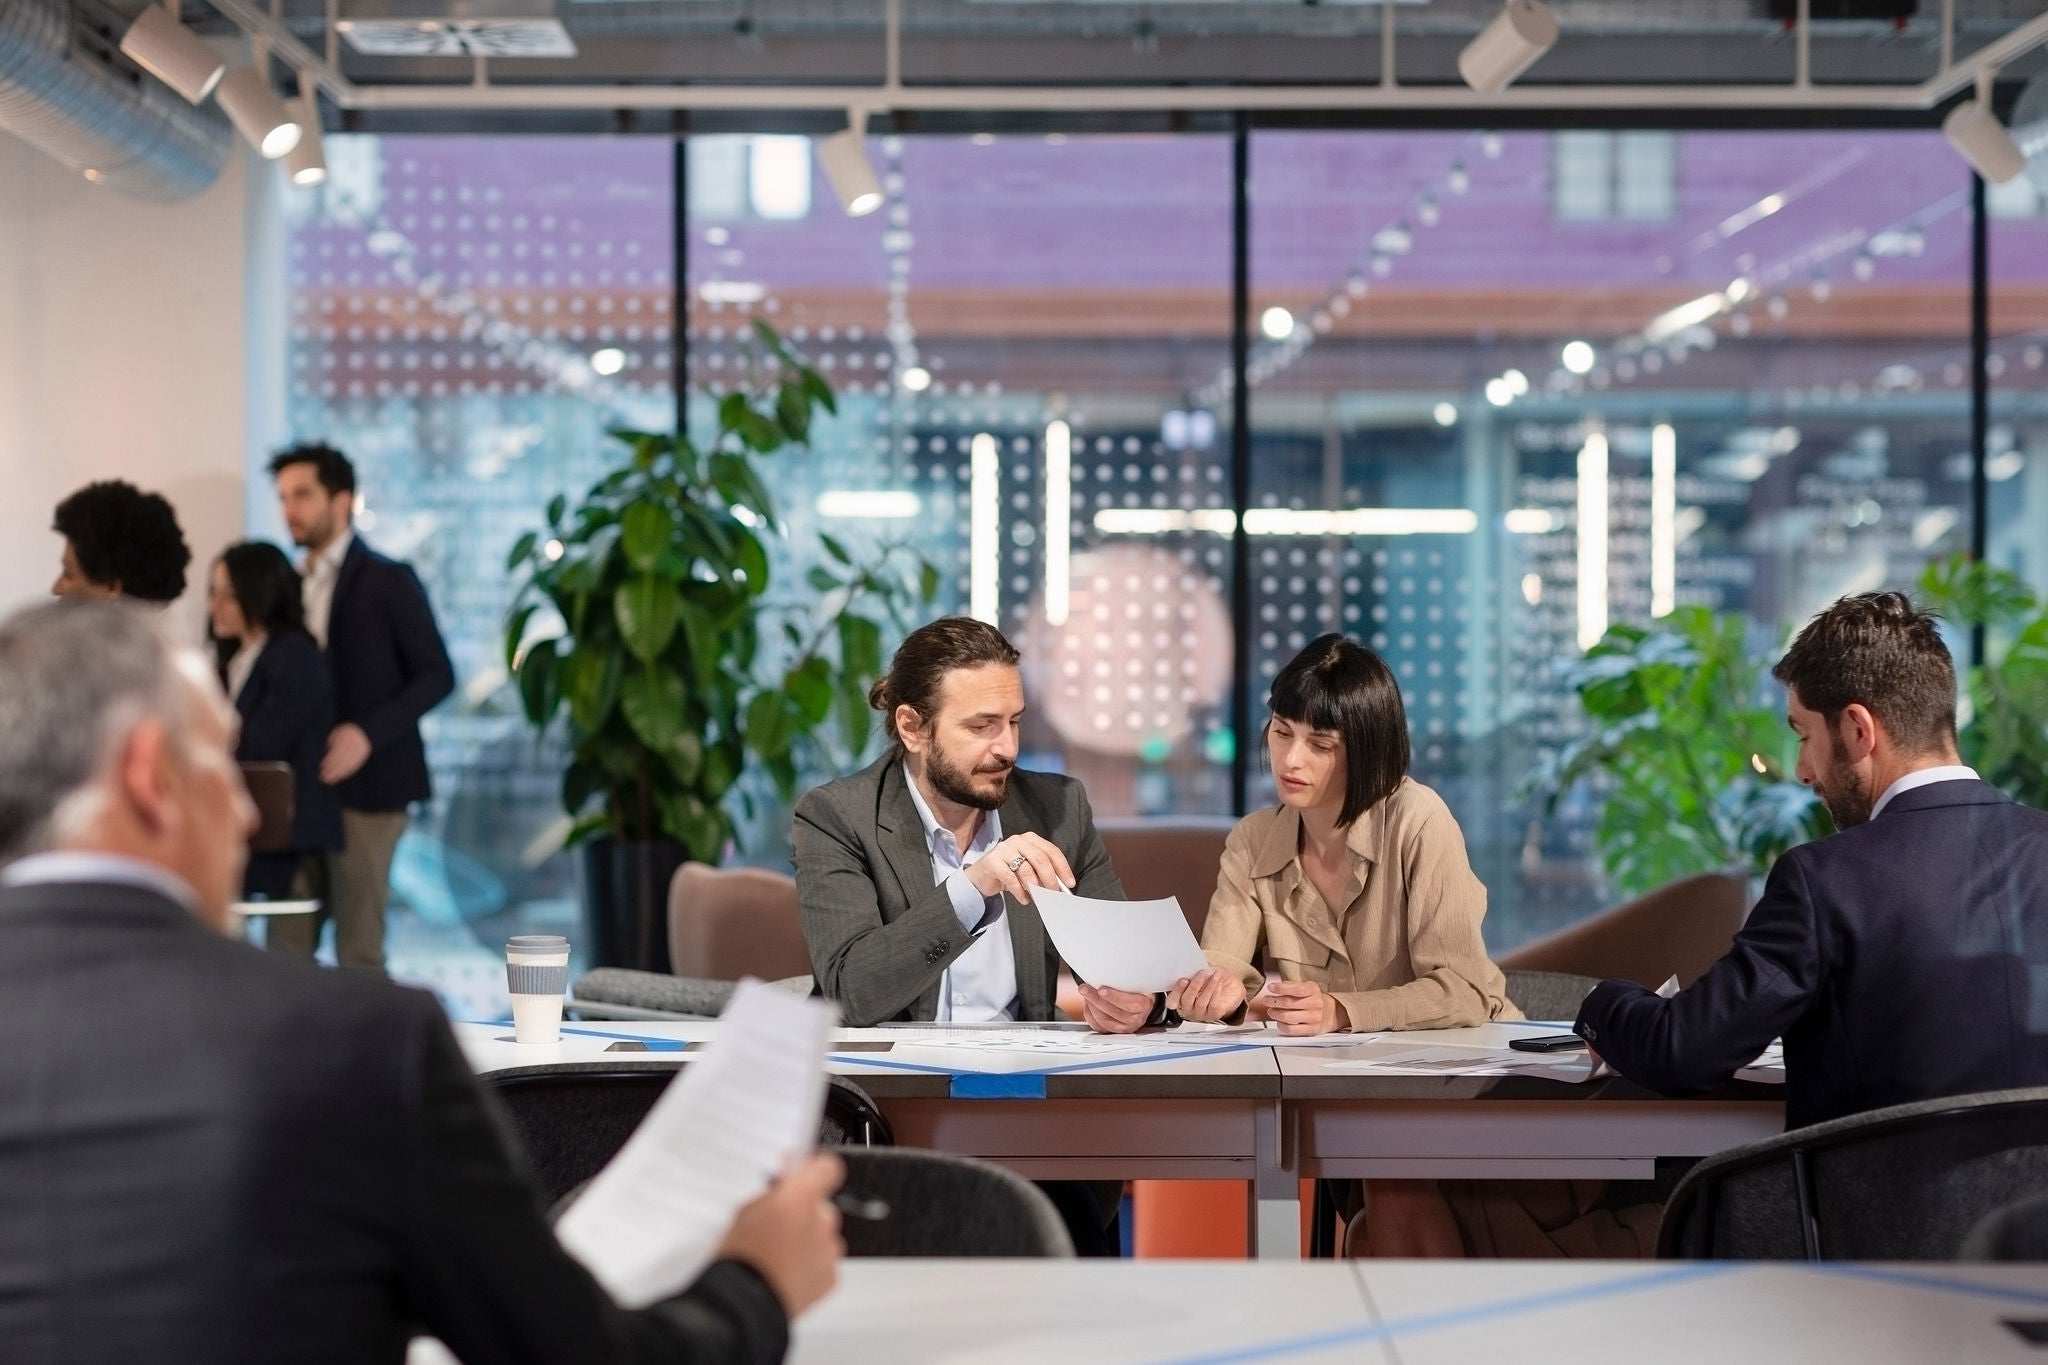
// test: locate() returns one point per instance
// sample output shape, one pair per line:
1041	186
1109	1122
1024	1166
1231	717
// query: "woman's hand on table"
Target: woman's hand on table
1303	1007
1208	997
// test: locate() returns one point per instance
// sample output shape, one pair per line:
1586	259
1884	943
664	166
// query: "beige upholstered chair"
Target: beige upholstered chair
1677	930
726	923
1156	858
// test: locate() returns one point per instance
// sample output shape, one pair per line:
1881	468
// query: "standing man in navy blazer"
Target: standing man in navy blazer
371	617
1905	957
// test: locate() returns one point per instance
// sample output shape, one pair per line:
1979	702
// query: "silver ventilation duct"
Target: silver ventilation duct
64	92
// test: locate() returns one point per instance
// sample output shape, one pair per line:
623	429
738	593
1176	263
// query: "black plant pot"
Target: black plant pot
625	903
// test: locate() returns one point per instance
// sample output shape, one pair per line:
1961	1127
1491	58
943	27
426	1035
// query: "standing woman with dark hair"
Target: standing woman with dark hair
274	674
1355	887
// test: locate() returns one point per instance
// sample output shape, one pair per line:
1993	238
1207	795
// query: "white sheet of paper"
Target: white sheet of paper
1127	945
726	1127
1404	1059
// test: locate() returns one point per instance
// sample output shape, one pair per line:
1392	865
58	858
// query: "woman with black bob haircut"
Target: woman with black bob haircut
1354	889
277	678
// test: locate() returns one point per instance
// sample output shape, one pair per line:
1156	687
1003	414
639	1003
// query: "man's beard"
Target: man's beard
957	784
1847	797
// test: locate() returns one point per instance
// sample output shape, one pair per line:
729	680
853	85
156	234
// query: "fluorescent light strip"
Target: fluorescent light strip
887	504
1059	518
985	511
1663	520
1288	521
1592	540
1530	521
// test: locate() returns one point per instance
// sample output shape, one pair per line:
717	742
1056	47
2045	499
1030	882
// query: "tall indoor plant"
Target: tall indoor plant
645	625
1691	752
2005	734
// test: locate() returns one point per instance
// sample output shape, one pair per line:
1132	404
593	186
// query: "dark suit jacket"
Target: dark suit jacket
287	711
1903	959
881	934
209	1153
389	668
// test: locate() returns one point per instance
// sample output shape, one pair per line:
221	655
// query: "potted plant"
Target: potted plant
644	624
2005	735
1691	755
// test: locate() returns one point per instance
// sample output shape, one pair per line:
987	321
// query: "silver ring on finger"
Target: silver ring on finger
1016	862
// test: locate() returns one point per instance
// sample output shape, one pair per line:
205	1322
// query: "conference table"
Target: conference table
1231	1107
997	1312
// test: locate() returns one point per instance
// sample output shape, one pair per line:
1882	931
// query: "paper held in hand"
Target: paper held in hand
1125	945
726	1127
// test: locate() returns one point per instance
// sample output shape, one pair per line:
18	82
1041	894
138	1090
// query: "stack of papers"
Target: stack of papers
1402	1057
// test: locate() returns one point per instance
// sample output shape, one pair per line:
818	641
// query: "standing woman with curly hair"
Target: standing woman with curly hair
120	542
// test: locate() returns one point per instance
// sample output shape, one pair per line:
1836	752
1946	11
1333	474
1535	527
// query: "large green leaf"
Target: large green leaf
701	636
539	687
515	633
750	559
590	680
647	608
732	411
521	548
653	702
860	646
770	728
810	688
580	783
646	529
793	410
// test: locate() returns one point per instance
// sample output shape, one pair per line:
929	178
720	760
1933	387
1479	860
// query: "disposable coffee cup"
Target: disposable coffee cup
537	974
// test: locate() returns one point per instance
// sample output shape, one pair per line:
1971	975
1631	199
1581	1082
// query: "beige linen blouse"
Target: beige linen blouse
1404	952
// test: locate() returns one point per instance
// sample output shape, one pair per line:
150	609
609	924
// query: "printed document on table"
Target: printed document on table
1127	945
1390	1058
728	1125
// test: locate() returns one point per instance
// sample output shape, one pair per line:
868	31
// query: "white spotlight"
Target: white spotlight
306	164
1579	357
172	53
845	158
1277	323
1517	382
257	113
1523	31
916	379
1499	392
1446	414
608	361
1980	139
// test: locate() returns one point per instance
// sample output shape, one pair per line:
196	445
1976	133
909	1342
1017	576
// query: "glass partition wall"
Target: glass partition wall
1504	389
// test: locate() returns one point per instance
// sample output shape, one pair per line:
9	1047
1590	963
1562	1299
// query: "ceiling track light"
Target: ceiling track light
845	157
244	94
306	164
1980	139
1523	31
172	53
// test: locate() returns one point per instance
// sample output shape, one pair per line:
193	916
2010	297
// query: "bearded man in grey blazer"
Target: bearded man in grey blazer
915	874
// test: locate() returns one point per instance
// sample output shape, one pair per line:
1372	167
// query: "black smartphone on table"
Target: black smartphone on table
1548	1042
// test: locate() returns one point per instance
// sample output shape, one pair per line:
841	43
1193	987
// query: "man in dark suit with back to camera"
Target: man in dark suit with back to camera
370	615
210	1153
1904	958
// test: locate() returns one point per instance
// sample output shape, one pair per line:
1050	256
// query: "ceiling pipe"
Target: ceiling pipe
63	92
894	94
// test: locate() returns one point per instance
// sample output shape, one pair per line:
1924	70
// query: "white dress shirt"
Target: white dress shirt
243	664
1923	777
320	572
981	985
41	869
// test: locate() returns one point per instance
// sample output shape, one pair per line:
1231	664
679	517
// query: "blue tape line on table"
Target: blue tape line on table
1458	1317
653	1043
998	1085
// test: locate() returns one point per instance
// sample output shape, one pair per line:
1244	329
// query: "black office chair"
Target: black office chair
571	1123
2017	1232
1907	1183
946	1205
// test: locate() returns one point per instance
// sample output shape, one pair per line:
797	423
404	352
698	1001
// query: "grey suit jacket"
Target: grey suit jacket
881	934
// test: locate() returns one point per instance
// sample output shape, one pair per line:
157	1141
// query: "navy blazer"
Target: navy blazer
287	711
1903	959
389	667
240	1158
